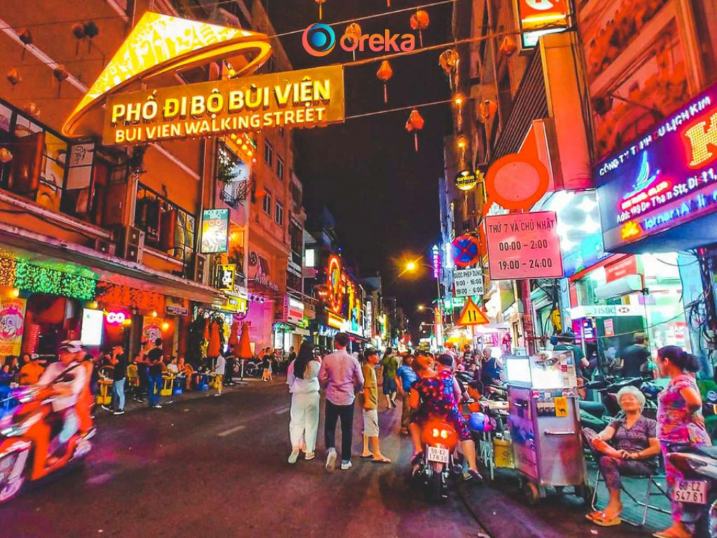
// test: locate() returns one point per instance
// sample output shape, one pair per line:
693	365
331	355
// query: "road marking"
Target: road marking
231	430
282	410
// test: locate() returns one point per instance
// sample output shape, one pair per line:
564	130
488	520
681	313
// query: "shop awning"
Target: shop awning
42	248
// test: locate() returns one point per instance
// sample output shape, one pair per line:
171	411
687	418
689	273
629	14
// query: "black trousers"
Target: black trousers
346	414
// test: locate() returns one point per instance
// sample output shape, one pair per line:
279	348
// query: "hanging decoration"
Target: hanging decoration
78	30
384	74
414	124
458	101
91	31
508	46
38	279
32	108
419	22
60	74
13	77
462	143
353	34
118	294
25	36
486	110
448	60
5	157
7	265
321	8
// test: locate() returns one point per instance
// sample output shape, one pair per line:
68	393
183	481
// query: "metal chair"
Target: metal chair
650	481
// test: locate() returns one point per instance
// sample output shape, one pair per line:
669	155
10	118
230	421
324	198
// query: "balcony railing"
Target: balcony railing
167	227
77	179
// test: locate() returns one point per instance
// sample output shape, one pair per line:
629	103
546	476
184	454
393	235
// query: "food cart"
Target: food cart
544	423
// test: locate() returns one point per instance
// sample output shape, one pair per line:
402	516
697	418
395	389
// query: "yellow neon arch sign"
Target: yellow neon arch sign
159	44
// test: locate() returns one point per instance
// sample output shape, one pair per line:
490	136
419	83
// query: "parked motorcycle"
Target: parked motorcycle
252	368
437	463
698	485
28	416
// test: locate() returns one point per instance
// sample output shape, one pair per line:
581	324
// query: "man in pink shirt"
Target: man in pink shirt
341	376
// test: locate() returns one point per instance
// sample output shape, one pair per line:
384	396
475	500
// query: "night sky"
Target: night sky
383	194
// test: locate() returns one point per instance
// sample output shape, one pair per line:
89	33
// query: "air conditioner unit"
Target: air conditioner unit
199	272
622	286
105	246
131	244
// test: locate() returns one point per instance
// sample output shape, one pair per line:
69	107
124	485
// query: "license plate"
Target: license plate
438	454
691	491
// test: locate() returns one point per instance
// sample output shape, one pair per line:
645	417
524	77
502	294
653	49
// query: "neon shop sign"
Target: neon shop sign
666	178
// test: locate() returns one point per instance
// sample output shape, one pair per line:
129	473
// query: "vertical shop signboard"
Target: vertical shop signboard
524	245
12	317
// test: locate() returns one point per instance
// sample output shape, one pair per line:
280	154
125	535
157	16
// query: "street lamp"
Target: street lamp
411	266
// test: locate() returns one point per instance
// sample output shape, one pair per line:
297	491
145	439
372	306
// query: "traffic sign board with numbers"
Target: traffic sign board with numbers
468	282
472	315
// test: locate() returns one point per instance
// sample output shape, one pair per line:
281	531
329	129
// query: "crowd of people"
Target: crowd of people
425	383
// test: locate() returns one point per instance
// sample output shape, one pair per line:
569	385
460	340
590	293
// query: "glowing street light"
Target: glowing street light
411	266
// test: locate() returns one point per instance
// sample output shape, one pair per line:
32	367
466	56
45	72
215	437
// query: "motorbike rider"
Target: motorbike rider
436	393
66	378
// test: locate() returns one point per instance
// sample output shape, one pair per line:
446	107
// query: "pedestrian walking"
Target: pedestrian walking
155	360
680	427
302	376
369	401
341	375
266	366
119	374
405	378
390	366
219	370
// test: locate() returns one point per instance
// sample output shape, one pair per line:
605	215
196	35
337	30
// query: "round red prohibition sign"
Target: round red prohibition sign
517	181
465	250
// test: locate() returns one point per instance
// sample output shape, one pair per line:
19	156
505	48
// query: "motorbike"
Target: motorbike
438	462
252	368
28	416
698	485
598	415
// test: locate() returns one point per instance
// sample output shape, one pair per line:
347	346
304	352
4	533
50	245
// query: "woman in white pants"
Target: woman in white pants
303	380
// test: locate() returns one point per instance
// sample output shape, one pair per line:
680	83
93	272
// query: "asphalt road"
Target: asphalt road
217	467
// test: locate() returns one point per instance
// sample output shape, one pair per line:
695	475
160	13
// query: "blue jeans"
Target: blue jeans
118	395
155	385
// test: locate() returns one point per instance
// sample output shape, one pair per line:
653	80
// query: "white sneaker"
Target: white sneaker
309	456
346	465
293	456
331	460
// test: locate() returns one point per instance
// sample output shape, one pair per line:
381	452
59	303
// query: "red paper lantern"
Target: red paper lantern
384	74
414	124
321	7
420	21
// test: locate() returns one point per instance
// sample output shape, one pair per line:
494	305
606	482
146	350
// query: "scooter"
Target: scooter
28	416
438	462
698	485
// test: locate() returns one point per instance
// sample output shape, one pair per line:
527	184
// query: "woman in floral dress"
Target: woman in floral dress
680	427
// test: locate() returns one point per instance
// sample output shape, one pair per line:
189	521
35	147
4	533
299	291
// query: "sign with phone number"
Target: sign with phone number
523	245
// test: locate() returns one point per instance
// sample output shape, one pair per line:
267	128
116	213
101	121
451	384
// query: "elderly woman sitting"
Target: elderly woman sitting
632	450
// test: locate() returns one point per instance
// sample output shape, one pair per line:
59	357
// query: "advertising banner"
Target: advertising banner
301	98
524	245
662	180
12	317
215	231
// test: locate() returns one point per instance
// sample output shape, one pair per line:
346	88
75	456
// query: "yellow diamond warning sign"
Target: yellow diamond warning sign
472	315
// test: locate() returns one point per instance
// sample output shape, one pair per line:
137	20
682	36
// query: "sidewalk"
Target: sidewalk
632	511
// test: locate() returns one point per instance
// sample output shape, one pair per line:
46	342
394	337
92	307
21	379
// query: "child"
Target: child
370	412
